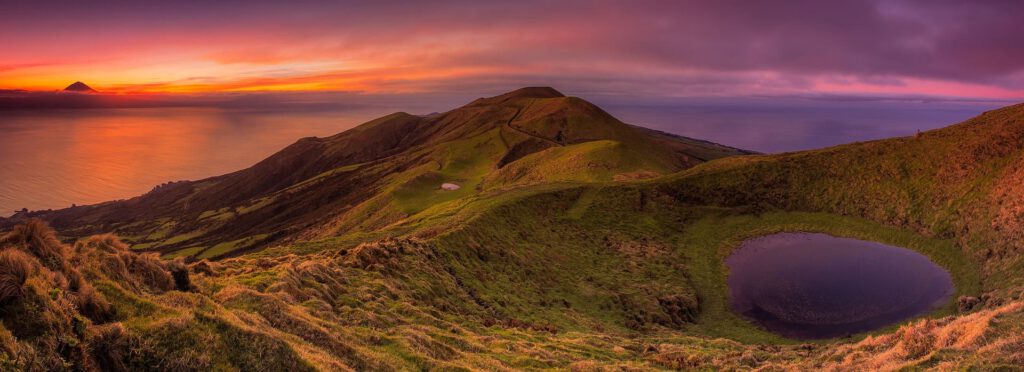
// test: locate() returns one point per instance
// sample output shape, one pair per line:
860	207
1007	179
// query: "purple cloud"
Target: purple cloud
695	46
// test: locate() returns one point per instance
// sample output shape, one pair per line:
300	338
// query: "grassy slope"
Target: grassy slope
555	279
947	184
689	242
595	275
923	193
386	170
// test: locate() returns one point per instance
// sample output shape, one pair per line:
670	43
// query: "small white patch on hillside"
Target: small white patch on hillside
450	186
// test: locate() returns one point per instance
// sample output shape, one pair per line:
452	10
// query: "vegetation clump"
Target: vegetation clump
50	303
381	254
15	268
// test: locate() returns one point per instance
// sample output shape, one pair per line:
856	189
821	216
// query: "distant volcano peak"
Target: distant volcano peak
79	86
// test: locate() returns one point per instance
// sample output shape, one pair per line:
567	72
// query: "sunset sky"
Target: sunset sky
661	48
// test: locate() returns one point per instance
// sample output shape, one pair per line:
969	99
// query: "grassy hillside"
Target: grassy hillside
960	183
384	171
562	250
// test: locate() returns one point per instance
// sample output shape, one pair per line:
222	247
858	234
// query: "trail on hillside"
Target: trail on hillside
516	116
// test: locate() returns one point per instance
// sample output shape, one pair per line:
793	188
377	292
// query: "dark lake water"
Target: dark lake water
813	286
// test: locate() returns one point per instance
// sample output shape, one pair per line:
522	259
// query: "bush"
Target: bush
15	268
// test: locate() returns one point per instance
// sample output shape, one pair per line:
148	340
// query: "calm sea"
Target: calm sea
56	158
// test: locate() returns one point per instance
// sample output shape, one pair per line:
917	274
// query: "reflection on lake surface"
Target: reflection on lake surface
810	286
56	158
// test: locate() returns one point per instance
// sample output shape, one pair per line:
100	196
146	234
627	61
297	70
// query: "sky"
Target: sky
957	49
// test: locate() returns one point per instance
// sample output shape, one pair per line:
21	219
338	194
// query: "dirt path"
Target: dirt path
525	133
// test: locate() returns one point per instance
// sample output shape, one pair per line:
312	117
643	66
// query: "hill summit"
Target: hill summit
80	87
393	170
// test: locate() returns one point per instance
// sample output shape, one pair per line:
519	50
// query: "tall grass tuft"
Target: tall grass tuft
92	304
179	272
109	346
15	268
36	237
149	270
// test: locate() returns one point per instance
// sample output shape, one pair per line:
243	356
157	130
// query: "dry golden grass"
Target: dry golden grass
960	338
1008	195
15	268
107	345
389	306
38	239
51	304
142	272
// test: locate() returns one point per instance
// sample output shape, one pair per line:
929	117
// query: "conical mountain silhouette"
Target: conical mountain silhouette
79	86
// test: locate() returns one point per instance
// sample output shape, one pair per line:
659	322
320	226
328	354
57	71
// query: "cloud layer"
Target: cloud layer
947	48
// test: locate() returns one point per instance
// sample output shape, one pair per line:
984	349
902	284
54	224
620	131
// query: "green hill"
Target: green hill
387	170
564	248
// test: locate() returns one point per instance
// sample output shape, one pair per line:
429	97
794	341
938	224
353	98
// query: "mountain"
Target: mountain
79	87
576	242
389	170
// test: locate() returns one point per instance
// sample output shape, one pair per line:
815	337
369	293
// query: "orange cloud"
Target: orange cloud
665	48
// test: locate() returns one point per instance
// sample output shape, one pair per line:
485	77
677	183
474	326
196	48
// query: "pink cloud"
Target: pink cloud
683	47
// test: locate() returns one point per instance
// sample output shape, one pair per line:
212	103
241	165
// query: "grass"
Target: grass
259	203
709	241
227	247
180	238
144	246
322	176
595	161
361	182
221	215
464	162
162	231
15	268
702	237
184	252
580	207
552	261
